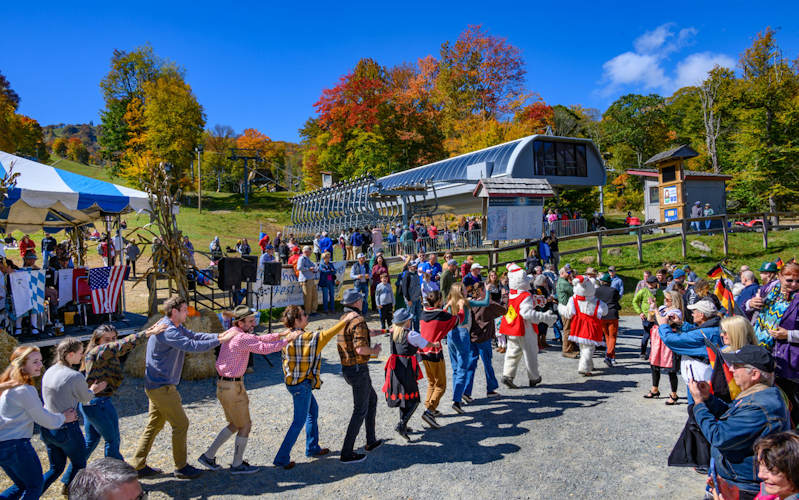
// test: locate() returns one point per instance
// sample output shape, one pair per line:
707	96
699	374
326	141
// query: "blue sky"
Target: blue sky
264	66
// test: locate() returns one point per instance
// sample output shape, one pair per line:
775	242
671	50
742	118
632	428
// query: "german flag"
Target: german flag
722	384
725	296
715	272
779	263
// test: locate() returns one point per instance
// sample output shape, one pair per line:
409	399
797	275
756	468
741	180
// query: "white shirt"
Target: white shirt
20	407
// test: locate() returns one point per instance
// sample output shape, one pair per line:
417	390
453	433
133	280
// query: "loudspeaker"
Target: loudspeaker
272	271
249	267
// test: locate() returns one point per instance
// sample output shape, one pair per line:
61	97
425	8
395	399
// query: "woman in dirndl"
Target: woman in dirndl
402	370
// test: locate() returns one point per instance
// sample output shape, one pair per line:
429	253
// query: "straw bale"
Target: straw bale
7	346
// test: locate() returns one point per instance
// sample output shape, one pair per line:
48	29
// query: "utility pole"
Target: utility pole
199	150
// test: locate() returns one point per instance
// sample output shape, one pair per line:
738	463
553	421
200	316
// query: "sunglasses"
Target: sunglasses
790	281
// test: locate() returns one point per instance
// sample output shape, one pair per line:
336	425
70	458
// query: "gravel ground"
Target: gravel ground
569	437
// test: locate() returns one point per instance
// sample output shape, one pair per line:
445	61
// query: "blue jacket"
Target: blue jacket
746	294
733	428
167	350
689	341
356	239
326	245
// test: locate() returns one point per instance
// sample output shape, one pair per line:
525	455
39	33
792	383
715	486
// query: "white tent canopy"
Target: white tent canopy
52	199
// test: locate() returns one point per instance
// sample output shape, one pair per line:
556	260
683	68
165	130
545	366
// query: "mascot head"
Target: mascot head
583	286
517	278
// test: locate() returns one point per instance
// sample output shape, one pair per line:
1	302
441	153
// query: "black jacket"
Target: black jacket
609	296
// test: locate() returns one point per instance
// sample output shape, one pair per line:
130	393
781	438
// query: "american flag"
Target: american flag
105	283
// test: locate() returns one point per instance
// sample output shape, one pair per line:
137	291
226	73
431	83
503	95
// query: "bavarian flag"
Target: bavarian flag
725	296
722	385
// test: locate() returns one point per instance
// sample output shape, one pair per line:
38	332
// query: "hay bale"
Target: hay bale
196	366
7	346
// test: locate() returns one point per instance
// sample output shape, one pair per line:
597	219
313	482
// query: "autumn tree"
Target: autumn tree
216	165
715	117
77	151
59	147
19	134
636	123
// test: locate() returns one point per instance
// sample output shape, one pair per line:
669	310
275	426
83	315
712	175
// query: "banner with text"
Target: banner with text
516	218
289	292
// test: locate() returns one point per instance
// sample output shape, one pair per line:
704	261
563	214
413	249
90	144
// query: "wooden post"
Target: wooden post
724	233
640	246
765	231
684	240
493	256
152	295
599	248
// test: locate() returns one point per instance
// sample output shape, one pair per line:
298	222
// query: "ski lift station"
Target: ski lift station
446	186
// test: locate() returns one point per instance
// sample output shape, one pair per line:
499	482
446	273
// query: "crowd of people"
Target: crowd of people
738	428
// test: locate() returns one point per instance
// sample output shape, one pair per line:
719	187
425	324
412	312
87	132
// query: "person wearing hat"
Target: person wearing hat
230	367
473	277
355	349
306	275
678	276
696	211
402	370
268	255
610	321
642	307
591	274
732	428
707	212
615	280
411	290
360	277
448	277
29	260
768	273
302	365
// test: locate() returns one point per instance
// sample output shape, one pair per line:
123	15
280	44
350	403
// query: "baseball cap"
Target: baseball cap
678	273
751	355
605	278
768	267
612	268
590	271
477	266
361	255
452	262
706	307
651	279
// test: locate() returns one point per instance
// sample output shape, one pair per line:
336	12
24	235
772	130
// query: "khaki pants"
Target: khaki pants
568	346
525	346
309	295
436	372
235	402
165	406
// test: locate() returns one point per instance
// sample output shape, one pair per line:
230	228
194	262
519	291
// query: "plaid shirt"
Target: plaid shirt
302	357
355	335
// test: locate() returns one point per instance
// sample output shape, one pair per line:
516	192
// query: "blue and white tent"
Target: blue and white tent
52	199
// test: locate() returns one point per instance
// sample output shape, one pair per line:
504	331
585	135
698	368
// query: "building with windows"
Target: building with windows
562	161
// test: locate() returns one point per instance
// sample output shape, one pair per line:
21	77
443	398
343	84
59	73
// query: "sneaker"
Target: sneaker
209	462
509	383
492	394
244	468
436	413
430	420
644	356
609	362
467	399
374	446
535	382
354	458
188	472
457	407
148	471
402	431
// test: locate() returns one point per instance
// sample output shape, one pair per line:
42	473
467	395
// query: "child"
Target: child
428	285
434	326
402	370
384	298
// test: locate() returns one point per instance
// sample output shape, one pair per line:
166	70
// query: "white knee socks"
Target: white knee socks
223	436
238	453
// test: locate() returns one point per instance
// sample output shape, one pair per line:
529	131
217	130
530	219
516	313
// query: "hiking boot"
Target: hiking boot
210	463
430	420
188	472
354	458
467	399
509	383
244	468
457	407
148	471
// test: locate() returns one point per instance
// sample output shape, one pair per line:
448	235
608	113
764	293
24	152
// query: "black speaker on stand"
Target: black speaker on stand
272	278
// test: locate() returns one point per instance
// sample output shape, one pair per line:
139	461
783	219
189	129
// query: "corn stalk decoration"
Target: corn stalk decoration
169	256
7	182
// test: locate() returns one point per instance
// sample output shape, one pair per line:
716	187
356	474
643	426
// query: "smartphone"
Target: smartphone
691	369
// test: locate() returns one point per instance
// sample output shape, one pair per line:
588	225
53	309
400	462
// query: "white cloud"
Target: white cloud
645	67
693	69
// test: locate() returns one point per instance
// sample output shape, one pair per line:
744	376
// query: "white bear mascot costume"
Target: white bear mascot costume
519	326
586	311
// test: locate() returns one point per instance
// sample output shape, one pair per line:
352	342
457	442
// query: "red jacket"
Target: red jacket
264	241
434	326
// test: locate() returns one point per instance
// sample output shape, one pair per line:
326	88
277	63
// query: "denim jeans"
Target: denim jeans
458	343
306	412
19	460
64	443
364	407
363	288
695	225
416	313
328	297
476	351
100	419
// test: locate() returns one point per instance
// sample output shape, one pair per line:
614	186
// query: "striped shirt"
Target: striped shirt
234	355
302	357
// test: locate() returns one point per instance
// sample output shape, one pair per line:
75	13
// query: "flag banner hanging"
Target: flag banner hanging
105	284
